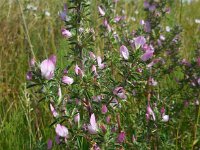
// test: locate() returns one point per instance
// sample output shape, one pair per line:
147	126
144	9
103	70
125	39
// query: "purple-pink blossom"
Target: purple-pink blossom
120	92
117	18
53	59
108	118
147	55
53	111
106	24
99	62
121	137
32	62
63	14
62	131
124	52
94	70
139	41
49	144
29	75
47	68
78	71
67	80
104	109
101	11
92	127
66	33
150	113
92	55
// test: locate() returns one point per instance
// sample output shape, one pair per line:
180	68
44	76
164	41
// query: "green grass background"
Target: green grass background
24	124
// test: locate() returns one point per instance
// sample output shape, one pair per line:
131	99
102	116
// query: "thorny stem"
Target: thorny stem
78	10
119	123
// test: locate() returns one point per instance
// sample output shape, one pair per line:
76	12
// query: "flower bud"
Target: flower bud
104	109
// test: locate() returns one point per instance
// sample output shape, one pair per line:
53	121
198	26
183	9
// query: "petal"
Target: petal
124	52
53	59
47	68
93	121
102	13
147	55
67	80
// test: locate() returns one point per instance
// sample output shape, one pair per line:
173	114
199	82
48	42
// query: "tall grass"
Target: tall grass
24	33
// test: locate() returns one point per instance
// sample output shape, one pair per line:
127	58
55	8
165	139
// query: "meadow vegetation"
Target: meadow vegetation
33	28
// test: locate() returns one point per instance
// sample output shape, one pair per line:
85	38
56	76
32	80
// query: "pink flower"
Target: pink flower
78	71
96	98
147	55
94	69
62	131
117	18
32	62
155	61
63	13
49	144
139	41
92	127
29	75
47	68
53	111
162	111
92	55
102	13
67	80
146	4
106	24
99	62
57	139
95	147
162	37
133	138
124	52
104	109
121	137
150	112
152	82
65	71
108	118
120	92
152	8
66	33
53	59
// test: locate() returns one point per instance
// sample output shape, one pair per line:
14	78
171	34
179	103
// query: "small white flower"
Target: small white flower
168	29
197	21
165	118
47	13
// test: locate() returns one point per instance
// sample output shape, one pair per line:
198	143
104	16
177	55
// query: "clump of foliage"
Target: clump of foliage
126	96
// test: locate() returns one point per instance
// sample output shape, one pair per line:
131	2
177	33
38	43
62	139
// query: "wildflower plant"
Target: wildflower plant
116	97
